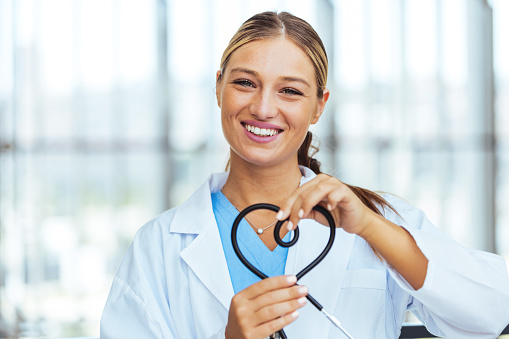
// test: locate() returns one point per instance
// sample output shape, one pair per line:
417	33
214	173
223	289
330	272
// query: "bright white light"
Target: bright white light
421	37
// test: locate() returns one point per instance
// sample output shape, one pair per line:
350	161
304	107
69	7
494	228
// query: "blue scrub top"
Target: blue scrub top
271	263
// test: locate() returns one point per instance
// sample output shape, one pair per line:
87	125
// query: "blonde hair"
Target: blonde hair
268	25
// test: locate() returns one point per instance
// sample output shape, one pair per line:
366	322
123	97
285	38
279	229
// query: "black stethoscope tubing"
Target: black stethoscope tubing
277	228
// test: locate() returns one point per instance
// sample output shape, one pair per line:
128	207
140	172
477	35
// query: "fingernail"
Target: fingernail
289	227
301	213
279	215
295	314
329	207
291	279
302	301
303	290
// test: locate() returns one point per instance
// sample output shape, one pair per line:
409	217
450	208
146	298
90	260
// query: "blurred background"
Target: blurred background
108	117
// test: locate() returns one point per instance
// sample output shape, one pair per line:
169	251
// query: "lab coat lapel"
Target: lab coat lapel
325	280
204	255
329	274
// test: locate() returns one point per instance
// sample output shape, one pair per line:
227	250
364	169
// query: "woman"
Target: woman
181	279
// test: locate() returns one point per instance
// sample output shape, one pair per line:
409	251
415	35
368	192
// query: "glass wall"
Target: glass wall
108	117
501	66
414	110
84	152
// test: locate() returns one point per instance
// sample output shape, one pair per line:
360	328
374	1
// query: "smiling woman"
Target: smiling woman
181	279
268	84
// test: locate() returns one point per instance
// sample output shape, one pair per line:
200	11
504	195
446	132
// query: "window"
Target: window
108	117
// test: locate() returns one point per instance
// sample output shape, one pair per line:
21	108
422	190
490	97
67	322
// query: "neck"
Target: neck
249	184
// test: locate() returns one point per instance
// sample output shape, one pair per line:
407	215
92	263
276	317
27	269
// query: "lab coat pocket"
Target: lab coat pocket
361	304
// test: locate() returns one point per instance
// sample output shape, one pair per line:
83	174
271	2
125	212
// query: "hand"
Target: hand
389	241
346	208
265	307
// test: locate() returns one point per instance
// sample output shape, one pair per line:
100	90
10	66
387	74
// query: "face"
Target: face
268	100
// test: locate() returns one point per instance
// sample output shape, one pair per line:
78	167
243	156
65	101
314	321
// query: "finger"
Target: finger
310	197
271	312
267	285
296	212
318	194
281	295
284	211
329	194
275	325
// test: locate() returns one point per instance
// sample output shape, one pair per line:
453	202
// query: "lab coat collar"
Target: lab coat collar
307	174
204	255
199	206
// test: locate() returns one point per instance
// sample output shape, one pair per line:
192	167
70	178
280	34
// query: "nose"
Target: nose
264	105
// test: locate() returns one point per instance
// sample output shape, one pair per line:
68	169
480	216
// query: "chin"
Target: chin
261	160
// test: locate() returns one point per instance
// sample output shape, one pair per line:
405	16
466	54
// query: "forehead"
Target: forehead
277	57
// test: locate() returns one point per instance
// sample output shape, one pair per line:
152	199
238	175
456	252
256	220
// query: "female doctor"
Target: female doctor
181	279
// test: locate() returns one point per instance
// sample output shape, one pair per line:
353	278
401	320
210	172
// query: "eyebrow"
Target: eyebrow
287	78
283	78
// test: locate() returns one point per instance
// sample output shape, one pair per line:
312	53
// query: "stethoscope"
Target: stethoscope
305	270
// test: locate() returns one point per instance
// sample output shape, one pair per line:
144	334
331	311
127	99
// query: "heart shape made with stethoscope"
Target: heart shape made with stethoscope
305	270
277	228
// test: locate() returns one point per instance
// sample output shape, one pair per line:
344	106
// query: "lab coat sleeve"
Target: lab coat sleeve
136	306
126	316
138	303
465	293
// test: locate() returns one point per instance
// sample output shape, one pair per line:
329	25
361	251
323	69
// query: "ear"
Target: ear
321	106
218	88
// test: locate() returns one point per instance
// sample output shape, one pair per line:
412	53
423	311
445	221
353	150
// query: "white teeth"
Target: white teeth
262	132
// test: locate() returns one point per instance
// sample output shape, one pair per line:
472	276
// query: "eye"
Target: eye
291	91
243	83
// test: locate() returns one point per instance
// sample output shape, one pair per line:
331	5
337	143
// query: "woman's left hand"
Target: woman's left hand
347	209
393	243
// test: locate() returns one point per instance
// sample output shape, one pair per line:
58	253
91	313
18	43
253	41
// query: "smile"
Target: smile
261	132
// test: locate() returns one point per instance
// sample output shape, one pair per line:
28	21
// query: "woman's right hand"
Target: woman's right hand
265	307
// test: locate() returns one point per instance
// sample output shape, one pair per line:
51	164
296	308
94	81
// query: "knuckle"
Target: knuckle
333	196
295	292
270	310
249	334
296	304
265	314
273	326
323	186
240	311
267	299
235	300
298	201
330	178
264	284
273	297
322	176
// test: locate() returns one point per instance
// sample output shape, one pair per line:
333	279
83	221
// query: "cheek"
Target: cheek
301	118
232	102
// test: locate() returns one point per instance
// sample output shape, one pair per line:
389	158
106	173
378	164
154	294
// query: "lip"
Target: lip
260	124
256	138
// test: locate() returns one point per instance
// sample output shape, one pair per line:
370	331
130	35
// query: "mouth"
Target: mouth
261	132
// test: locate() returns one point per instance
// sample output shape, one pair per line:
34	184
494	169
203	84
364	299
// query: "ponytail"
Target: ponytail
306	152
372	200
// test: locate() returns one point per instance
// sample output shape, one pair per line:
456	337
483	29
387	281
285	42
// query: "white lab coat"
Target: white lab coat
173	281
